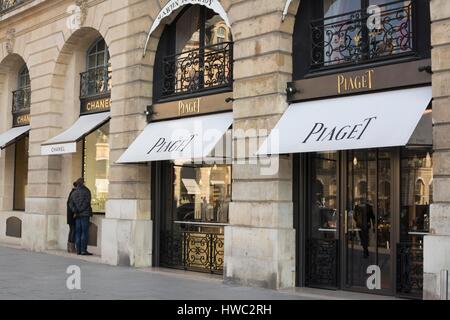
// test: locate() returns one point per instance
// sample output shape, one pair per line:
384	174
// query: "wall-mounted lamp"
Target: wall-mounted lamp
290	89
426	69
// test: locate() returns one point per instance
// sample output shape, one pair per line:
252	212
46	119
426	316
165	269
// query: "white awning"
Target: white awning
377	120
66	142
182	139
12	135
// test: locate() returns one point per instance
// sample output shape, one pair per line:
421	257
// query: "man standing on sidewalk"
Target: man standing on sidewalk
80	204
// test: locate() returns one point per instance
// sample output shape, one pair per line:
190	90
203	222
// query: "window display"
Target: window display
96	167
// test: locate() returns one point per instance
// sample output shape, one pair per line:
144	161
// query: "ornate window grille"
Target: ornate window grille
22	96
8	5
197	70
353	37
96	81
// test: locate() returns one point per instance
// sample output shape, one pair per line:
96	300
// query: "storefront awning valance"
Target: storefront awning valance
377	120
181	139
10	136
66	142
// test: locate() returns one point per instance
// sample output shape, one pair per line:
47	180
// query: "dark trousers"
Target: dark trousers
71	233
82	234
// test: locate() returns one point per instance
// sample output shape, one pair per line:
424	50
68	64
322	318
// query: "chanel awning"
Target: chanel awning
377	120
66	142
12	135
181	139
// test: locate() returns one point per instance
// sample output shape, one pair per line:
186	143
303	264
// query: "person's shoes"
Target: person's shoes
71	248
79	253
86	254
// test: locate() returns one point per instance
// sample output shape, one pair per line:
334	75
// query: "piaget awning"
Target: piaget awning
181	139
12	135
66	142
377	120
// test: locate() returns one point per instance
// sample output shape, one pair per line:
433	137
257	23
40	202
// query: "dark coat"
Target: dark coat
80	202
70	218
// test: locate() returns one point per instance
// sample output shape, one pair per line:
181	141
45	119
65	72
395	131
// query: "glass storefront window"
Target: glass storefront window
20	174
96	167
202	193
416	191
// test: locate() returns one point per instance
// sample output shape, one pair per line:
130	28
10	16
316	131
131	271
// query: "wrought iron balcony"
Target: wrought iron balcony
8	5
356	37
21	101
198	70
95	82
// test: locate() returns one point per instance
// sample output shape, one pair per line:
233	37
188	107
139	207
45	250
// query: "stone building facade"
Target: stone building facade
260	239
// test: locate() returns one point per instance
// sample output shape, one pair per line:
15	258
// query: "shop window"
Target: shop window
20	173
97	78
194	54
416	191
96	166
337	33
202	193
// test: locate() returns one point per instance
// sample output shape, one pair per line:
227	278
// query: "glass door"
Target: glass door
323	221
368	218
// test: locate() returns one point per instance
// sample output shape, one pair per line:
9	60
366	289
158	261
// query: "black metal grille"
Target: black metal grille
353	38
322	263
194	251
21	101
410	269
198	70
8	5
95	82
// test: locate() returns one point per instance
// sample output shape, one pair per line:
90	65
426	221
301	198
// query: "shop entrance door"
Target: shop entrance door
349	219
368	218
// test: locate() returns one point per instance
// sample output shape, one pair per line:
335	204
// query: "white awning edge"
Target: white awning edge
173	5
12	135
66	141
376	120
187	139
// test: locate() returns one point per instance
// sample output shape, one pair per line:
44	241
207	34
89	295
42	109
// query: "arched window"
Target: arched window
97	78
194	54
24	78
21	96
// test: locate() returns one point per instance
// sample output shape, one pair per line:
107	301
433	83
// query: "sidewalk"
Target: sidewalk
34	276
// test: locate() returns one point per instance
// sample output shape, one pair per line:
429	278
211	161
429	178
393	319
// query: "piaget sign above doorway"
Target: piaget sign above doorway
190	107
174	5
377	120
402	75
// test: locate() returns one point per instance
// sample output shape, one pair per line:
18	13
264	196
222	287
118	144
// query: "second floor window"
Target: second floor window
21	96
194	54
348	32
97	79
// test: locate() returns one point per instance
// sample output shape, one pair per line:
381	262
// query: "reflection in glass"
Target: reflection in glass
416	191
323	223
368	216
202	193
20	174
96	167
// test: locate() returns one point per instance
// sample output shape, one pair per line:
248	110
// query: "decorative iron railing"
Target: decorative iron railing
410	269
197	70
95	82
195	251
21	101
8	5
359	36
